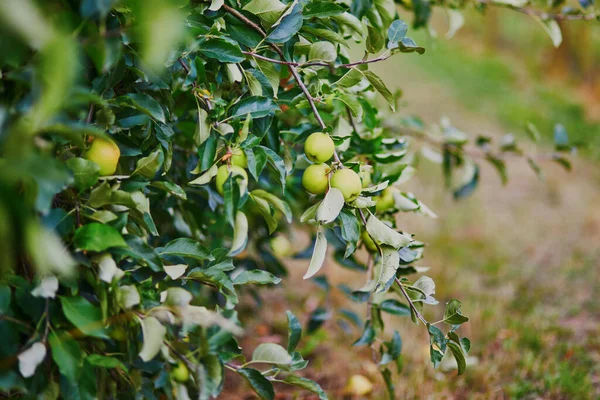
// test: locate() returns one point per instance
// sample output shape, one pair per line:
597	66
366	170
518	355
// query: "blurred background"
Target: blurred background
524	258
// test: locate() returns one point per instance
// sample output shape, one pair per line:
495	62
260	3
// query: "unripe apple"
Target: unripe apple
358	385
368	242
105	153
314	178
181	373
348	182
386	199
224	171
319	147
239	158
281	246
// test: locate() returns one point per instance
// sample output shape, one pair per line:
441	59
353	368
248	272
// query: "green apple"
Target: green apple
181	373
386	200
239	158
348	182
281	246
319	147
314	178
224	171
368	242
358	385
105	153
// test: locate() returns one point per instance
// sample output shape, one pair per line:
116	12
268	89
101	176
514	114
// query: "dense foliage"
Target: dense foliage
153	154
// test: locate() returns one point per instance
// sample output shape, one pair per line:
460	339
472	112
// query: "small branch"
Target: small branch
90	115
184	65
183	358
411	304
292	68
541	13
470	150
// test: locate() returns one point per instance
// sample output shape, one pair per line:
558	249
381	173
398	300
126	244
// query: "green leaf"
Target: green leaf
146	104
407	45
222	50
149	166
396	32
458	354
367	337
258	7
153	333
306	384
319	253
350	228
390	261
97	237
85	172
279	204
381	88
330	207
322	51
240	234
389	383
185	247
271	353
211	374
326	34
261	386
85	316
453	314
375	40
256	276
383	234
66	353
323	9
350	78
552	29
98	360
294	331
289	25
256	106
394	307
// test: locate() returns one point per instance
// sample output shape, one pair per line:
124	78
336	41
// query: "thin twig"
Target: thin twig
410	303
541	13
291	68
88	119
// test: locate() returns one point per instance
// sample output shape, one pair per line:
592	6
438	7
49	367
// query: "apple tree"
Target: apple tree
155	152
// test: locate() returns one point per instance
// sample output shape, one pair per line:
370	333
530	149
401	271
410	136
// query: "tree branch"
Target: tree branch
541	13
411	304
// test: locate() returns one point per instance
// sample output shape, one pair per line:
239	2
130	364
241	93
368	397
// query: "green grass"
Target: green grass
500	86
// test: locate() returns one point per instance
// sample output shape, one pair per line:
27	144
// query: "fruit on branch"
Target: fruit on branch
105	153
386	200
319	147
368	241
348	182
314	178
223	173
281	246
181	373
239	158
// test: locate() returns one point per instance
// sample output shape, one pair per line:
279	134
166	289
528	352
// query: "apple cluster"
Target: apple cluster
319	177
